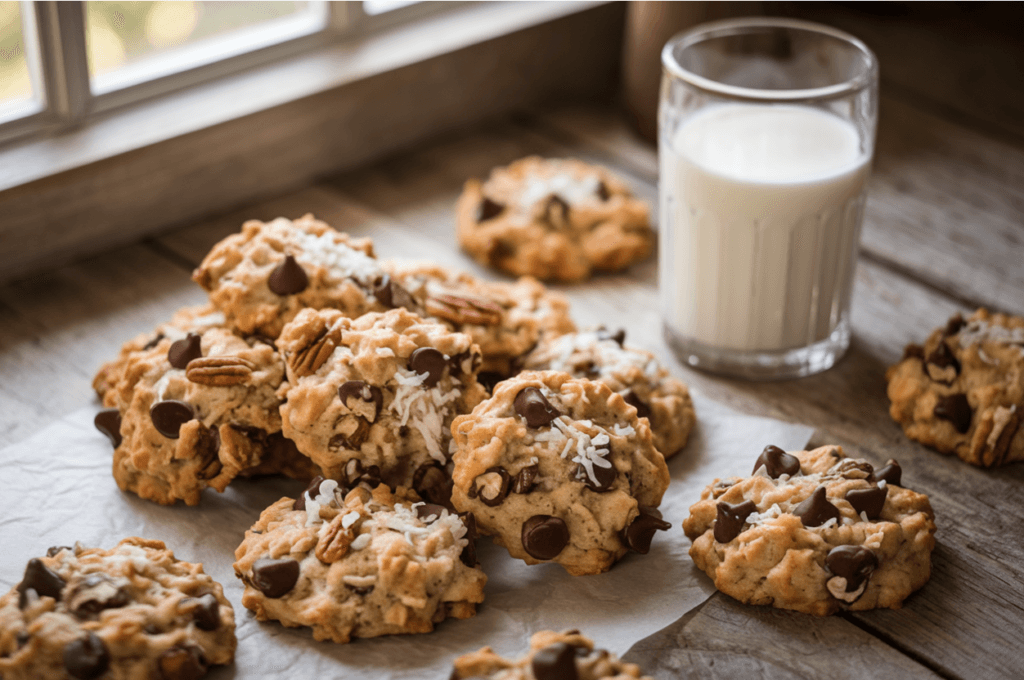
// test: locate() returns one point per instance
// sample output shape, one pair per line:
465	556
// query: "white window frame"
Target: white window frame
63	95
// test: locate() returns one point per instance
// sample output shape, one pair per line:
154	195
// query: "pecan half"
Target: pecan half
310	358
464	308
219	371
335	540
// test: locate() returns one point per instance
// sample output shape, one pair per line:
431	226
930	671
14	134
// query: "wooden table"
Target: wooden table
942	234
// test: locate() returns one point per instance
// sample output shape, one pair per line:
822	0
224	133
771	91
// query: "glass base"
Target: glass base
753	365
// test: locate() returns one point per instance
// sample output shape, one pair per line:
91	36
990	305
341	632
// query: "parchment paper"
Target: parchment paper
57	488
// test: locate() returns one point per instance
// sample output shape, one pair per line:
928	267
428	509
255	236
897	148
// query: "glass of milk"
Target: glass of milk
766	132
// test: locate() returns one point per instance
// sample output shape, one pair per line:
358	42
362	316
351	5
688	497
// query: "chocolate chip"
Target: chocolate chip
391	294
606	477
869	501
40	578
182	663
362	391
430	361
492	486
618	336
313	488
942	358
777	462
288	278
95	593
154	342
525	479
956	409
356	474
168	416
275	577
602	191
185	350
489	210
639	534
817	509
86	658
54	549
555	662
544	536
642	409
468	555
891	473
556	210
731	518
432	483
427	510
458	362
955	323
531	404
108	421
852	562
205	611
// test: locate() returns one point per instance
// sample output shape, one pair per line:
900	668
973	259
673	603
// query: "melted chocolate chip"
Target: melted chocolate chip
489	210
852	562
275	577
953	326
86	658
777	462
94	593
182	663
544	536
185	350
54	549
427	509
362	391
313	488
602	191
606	477
817	509
869	501
618	336
154	342
168	416
531	404
288	278
356	474
731	518
108	421
468	555
942	358
432	483
639	534
956	409
40	578
492	486
891	472
556	210
556	662
205	612
430	361
525	479
391	294
642	409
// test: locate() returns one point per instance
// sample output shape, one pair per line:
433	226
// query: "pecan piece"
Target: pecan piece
310	358
464	308
219	371
335	540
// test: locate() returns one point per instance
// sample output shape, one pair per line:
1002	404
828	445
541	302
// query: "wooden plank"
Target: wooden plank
725	639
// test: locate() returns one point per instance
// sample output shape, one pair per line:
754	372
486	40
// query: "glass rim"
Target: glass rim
727	27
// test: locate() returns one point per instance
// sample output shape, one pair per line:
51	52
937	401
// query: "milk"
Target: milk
760	219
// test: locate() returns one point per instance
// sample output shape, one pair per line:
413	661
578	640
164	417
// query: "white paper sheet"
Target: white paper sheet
57	488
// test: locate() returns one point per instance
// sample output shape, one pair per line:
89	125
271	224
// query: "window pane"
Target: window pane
123	35
372	7
15	80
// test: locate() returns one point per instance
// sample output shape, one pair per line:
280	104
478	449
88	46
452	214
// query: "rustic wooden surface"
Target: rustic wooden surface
942	234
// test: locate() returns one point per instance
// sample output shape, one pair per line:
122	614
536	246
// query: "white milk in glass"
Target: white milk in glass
760	215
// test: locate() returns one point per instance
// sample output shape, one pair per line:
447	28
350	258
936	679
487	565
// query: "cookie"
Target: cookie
506	319
195	410
133	611
374	398
814	531
633	373
560	469
553	219
359	564
963	391
552	656
262	277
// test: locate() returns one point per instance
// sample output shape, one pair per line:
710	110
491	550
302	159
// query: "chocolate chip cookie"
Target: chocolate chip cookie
505	319
195	410
635	374
133	611
814	531
359	564
560	469
963	391
552	656
374	398
262	277
554	219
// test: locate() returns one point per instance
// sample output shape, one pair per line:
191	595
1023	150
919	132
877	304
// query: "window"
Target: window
63	61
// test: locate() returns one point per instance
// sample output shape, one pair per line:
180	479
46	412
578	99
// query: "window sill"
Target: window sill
124	175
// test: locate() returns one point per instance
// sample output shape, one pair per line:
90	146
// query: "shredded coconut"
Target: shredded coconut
423	409
571	189
362	540
385	352
340	260
161	385
623	430
982	331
